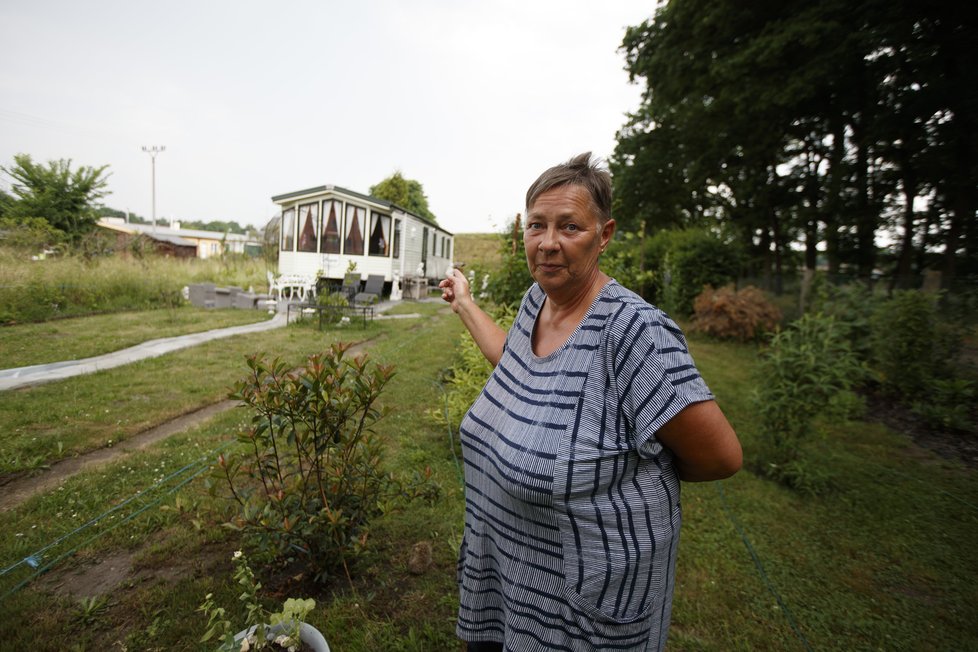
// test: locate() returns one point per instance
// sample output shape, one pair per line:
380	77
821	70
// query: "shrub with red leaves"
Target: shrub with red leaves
743	315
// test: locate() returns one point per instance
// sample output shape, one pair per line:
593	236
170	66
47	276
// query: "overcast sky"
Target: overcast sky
255	99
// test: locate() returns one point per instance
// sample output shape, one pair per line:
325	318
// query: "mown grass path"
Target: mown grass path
74	338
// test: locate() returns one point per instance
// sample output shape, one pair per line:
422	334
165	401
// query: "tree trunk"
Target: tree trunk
901	278
956	29
865	219
765	247
778	263
833	202
812	187
963	204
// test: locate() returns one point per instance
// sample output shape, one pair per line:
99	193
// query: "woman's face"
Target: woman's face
563	239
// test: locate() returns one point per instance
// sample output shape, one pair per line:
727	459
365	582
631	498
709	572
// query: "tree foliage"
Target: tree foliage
406	193
686	261
218	226
824	123
67	199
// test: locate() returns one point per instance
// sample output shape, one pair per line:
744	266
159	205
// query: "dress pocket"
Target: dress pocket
614	581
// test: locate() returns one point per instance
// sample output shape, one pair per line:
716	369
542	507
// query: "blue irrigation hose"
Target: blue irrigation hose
760	567
39	553
67	554
34	560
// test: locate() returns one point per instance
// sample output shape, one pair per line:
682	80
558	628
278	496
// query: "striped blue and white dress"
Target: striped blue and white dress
572	504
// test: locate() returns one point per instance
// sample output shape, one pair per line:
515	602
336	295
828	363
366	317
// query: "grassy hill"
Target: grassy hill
478	249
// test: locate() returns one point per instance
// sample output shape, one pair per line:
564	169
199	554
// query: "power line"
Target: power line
38	122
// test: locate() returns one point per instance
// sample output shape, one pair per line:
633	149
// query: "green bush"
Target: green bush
808	372
335	302
311	478
911	344
685	262
31	234
852	305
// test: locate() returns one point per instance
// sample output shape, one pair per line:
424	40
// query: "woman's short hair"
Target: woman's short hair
581	171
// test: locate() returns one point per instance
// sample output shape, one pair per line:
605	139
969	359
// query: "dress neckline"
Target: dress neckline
573	335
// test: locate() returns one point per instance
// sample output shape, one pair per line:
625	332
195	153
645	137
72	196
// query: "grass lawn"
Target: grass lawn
886	560
56	420
83	337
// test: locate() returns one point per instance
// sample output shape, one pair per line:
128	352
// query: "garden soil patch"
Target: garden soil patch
92	578
952	445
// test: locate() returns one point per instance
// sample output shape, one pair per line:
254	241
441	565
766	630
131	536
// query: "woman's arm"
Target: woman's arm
487	334
704	443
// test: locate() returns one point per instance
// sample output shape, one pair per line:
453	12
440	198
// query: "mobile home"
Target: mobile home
324	231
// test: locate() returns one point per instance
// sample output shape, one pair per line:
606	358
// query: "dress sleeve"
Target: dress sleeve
654	375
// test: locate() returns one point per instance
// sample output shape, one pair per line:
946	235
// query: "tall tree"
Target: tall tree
825	120
406	193
68	200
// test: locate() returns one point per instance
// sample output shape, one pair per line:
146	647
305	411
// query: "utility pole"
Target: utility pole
153	150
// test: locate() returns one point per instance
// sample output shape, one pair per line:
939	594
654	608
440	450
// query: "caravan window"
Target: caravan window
332	215
288	230
397	238
380	234
308	227
353	242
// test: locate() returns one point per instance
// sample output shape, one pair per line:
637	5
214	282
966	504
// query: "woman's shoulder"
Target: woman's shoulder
621	303
627	311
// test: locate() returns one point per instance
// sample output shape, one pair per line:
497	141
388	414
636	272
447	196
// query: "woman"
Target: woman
576	445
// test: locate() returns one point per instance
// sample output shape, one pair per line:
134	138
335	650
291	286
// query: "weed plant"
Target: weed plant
808	372
852	306
911	344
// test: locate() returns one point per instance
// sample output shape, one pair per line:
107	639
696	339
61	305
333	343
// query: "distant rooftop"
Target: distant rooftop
119	224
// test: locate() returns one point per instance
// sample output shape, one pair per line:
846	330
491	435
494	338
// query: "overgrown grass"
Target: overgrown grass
83	337
33	291
886	560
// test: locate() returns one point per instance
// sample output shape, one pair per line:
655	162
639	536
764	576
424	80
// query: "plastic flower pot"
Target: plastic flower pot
307	634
